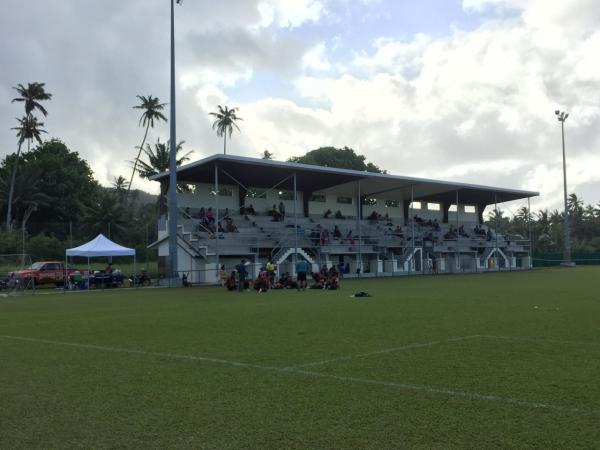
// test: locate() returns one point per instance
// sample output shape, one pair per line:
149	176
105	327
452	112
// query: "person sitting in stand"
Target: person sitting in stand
435	225
327	214
324	236
231	227
489	236
210	216
373	217
274	214
250	210
398	232
336	232
220	228
338	215
461	231
349	237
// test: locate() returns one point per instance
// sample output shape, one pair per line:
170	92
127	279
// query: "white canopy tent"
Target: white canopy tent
100	246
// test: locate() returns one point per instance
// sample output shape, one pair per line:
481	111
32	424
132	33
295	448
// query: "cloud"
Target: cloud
475	106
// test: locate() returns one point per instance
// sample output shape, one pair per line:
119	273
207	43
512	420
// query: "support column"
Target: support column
496	230
530	232
359	219
217	219
445	208
405	211
412	226
457	253
306	195
295	221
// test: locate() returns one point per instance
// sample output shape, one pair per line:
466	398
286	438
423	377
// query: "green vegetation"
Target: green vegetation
508	360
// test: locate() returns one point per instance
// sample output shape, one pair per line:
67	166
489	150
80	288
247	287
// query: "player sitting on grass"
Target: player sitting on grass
262	283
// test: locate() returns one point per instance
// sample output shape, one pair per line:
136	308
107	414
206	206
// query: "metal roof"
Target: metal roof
261	173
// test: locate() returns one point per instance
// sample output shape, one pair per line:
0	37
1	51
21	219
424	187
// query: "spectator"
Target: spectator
349	237
398	231
338	215
281	211
327	214
209	216
336	232
436	225
230	283
373	217
324	236
250	210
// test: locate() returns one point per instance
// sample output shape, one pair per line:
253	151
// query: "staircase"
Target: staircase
284	253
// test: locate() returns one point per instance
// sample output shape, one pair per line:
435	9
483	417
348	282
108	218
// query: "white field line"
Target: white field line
539	340
386	350
347	379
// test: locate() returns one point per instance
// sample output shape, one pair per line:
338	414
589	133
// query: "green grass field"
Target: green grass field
507	360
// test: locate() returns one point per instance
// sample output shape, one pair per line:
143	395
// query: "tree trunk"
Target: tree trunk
12	190
225	143
137	159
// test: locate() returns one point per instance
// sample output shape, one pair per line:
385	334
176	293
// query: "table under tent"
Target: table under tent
100	246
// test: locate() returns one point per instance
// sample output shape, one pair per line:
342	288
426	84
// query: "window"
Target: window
285	195
317	198
369	201
452	208
223	191
255	194
433	206
415	205
344	200
392	203
470	209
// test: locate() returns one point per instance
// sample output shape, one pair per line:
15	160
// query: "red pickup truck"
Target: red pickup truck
46	272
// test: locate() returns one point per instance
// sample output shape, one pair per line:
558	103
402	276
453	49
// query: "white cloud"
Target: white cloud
316	59
289	13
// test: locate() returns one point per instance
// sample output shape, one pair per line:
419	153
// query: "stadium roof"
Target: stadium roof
261	173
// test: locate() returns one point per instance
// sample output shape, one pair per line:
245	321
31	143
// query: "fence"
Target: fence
555	259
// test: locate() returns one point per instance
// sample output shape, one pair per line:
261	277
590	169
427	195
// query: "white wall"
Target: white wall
202	198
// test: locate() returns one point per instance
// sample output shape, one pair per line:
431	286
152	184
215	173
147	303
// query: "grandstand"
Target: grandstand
368	224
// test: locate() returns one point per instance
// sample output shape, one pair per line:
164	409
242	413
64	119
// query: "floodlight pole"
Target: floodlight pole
562	117
173	158
216	235
457	235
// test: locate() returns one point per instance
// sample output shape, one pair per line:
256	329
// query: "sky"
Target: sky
462	90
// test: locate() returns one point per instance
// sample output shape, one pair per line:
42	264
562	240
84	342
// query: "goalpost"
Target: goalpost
10	283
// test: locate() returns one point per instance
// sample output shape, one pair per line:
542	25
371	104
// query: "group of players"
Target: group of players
325	278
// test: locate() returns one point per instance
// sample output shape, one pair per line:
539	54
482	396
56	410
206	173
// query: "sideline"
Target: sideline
311	374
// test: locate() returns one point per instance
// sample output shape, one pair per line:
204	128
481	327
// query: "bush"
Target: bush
10	243
45	247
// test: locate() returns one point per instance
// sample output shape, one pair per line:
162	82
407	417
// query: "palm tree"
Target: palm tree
105	215
224	123
32	95
158	162
152	111
29	128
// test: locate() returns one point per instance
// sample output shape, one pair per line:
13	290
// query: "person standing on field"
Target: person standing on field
302	268
242	274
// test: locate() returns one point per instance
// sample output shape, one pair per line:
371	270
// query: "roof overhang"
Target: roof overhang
260	173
